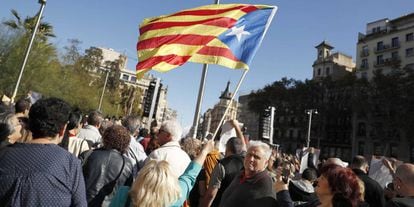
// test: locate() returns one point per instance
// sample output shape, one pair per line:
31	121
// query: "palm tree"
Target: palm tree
28	24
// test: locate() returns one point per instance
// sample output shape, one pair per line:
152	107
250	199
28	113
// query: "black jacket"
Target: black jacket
100	168
374	193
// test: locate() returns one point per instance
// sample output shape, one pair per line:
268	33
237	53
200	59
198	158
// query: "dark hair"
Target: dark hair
343	183
235	145
116	137
309	174
143	132
359	161
47	117
75	117
95	118
131	123
6	125
22	105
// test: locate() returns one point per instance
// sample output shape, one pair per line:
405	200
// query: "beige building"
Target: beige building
162	112
386	44
331	64
212	117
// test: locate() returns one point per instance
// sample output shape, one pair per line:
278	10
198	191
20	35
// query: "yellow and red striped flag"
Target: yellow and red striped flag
223	34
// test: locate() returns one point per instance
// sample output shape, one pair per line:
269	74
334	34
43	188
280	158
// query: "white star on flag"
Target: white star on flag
238	32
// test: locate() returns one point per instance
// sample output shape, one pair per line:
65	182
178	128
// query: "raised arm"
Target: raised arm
239	133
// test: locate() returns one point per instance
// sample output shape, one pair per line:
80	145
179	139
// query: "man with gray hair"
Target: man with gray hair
170	150
135	151
253	186
90	132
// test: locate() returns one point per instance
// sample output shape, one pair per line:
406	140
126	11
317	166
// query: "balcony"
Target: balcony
394	61
363	67
364	53
387	47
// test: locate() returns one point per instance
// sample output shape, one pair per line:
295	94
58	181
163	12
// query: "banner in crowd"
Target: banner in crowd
223	34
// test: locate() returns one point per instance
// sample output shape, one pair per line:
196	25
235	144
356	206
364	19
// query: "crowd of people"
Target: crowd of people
53	155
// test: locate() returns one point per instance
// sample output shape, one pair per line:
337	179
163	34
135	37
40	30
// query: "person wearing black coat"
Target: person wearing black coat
374	193
106	169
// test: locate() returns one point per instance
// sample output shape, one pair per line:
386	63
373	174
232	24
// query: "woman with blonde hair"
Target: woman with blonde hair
156	184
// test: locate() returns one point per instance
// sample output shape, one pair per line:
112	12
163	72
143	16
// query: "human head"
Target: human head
338	183
116	137
257	158
143	132
132	123
75	118
359	162
105	124
169	131
309	174
191	146
155	185
95	118
22	106
404	180
48	118
10	127
234	146
336	161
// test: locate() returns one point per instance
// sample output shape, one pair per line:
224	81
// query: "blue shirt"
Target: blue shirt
187	181
40	175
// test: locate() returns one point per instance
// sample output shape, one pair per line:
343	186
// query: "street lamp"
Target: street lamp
29	46
310	112
103	90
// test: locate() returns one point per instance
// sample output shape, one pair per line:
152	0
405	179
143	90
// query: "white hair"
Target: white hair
265	147
173	128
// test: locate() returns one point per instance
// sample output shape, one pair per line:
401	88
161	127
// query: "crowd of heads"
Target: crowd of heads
54	119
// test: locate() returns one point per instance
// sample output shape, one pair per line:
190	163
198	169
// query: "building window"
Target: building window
364	63
376	29
395	42
328	70
133	79
320	54
380	60
125	77
365	51
409	52
319	71
380	46
362	130
409	37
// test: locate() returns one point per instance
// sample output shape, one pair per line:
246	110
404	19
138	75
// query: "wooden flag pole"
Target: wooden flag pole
200	96
231	100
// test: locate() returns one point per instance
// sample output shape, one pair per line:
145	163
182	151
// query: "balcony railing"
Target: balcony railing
387	47
388	62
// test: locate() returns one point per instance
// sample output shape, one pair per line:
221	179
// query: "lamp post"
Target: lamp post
29	46
310	112
103	90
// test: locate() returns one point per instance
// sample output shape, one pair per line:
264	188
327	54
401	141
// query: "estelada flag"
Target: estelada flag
223	34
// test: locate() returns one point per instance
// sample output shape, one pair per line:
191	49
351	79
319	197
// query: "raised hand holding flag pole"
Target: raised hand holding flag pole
225	34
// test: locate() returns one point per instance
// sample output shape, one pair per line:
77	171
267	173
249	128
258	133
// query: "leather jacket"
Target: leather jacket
103	166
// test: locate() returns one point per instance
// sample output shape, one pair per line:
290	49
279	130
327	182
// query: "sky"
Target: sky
288	49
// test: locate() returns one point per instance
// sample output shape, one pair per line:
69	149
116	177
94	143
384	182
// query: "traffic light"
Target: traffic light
266	124
148	99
